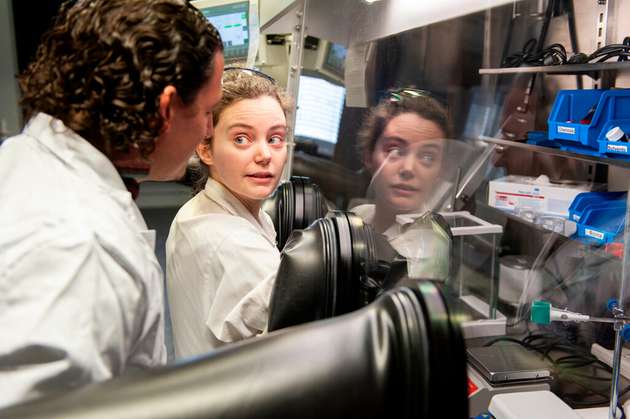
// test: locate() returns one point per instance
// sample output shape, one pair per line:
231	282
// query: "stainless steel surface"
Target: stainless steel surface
602	32
293	84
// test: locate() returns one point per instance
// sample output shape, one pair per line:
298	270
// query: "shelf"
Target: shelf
560	69
556	152
533	237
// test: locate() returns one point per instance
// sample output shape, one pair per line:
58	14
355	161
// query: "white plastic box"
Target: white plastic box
538	194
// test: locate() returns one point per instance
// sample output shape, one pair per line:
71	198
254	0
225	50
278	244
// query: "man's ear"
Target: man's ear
167	105
204	153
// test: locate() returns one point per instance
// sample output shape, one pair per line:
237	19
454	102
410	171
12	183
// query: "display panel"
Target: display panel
231	18
335	59
319	108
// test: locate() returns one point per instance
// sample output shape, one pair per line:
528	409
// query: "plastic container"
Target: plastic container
602	223
586	199
585	116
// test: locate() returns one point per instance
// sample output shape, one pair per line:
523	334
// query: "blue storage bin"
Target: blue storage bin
584	200
615	148
611	108
602	224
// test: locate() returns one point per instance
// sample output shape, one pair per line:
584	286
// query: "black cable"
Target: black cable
554	54
544	343
622	51
626	41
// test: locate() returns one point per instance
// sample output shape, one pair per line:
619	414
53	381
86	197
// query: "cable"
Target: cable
556	54
621	51
544	343
553	54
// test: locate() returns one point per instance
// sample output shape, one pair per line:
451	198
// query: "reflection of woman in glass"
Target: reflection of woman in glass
221	252
402	144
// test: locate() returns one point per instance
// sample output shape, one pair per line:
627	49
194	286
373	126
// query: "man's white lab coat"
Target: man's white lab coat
81	293
221	263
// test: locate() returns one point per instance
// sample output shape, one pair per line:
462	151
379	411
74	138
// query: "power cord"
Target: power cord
545	343
553	54
556	54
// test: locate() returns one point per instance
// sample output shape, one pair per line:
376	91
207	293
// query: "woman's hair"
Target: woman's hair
377	119
238	84
103	65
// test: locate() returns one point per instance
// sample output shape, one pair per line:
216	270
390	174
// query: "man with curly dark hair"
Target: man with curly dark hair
115	84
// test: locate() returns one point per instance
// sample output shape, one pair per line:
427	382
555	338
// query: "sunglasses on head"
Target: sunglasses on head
251	72
398	95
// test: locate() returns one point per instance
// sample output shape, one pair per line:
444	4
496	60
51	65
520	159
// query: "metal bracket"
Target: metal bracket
293	84
602	32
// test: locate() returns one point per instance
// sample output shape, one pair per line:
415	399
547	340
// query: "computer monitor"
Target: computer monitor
335	59
325	59
232	20
319	108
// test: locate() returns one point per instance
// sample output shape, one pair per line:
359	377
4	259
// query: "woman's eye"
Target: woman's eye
427	157
394	151
240	139
276	139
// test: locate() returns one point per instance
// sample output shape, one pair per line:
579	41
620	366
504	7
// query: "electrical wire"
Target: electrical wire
619	51
556	54
530	55
545	343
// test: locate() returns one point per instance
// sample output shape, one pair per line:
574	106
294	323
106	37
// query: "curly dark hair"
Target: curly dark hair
377	119
103	65
238	84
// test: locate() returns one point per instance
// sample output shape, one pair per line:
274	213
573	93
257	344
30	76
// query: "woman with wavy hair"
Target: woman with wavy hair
221	254
115	85
403	146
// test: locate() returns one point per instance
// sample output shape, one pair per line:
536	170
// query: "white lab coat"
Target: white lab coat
221	263
81	293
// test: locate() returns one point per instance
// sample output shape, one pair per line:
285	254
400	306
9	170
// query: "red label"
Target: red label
472	387
520	194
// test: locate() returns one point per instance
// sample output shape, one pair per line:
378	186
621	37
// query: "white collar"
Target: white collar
367	211
218	193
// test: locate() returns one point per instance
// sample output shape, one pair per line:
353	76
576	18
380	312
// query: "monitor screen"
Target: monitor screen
319	107
335	59
231	20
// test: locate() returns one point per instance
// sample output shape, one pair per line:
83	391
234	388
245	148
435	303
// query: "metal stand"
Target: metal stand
618	312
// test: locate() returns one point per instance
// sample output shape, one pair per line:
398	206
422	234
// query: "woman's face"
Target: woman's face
248	150
406	162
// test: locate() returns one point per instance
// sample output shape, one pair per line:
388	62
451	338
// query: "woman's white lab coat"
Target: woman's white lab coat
81	292
221	264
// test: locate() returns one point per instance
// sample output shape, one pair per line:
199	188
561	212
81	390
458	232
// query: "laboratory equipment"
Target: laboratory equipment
324	369
234	20
514	272
325	59
335	266
481	392
294	205
542	312
319	108
475	264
